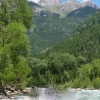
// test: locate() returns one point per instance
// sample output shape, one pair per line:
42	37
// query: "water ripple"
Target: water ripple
68	94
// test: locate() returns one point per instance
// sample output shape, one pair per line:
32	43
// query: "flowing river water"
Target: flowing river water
68	94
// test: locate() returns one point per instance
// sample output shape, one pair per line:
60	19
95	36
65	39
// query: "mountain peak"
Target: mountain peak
36	1
50	2
71	0
86	1
89	3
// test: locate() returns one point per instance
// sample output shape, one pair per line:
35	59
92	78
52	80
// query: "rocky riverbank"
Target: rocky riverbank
10	91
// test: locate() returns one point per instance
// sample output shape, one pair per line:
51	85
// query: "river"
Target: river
68	94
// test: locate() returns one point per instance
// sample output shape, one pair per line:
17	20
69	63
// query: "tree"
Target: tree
14	43
96	68
16	11
85	71
12	55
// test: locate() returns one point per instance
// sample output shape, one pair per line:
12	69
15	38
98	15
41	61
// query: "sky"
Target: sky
94	1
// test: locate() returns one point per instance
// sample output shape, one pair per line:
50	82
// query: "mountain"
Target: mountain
47	2
37	8
42	12
50	2
56	6
64	8
89	3
82	12
85	40
49	29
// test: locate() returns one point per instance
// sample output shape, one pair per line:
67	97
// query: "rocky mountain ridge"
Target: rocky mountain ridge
59	2
47	2
89	3
56	6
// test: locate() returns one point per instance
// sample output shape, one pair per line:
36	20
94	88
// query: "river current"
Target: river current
68	94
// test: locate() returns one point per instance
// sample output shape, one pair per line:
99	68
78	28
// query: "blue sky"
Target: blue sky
95	1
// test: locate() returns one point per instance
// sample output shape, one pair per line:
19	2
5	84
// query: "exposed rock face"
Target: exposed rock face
47	2
71	0
70	5
88	3
50	2
56	6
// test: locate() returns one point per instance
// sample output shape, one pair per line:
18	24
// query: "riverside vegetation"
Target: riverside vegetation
15	20
75	62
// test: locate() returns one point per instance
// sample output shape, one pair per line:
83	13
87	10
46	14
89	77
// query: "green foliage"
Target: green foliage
88	75
80	67
14	47
96	82
15	18
16	75
8	75
83	41
73	63
96	68
39	68
49	31
76	83
85	71
66	76
22	71
81	60
16	11
17	39
14	43
88	10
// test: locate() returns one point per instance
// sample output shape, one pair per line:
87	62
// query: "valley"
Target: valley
50	44
51	29
71	48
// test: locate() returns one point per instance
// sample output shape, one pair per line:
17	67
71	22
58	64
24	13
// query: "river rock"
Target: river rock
9	91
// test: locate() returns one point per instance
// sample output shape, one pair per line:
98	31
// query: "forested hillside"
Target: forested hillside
85	39
82	12
49	29
75	62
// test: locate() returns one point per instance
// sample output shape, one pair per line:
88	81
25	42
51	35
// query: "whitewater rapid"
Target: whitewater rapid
68	94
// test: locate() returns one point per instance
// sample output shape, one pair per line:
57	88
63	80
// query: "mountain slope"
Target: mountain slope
56	6
89	3
47	2
85	40
49	29
63	9
82	12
